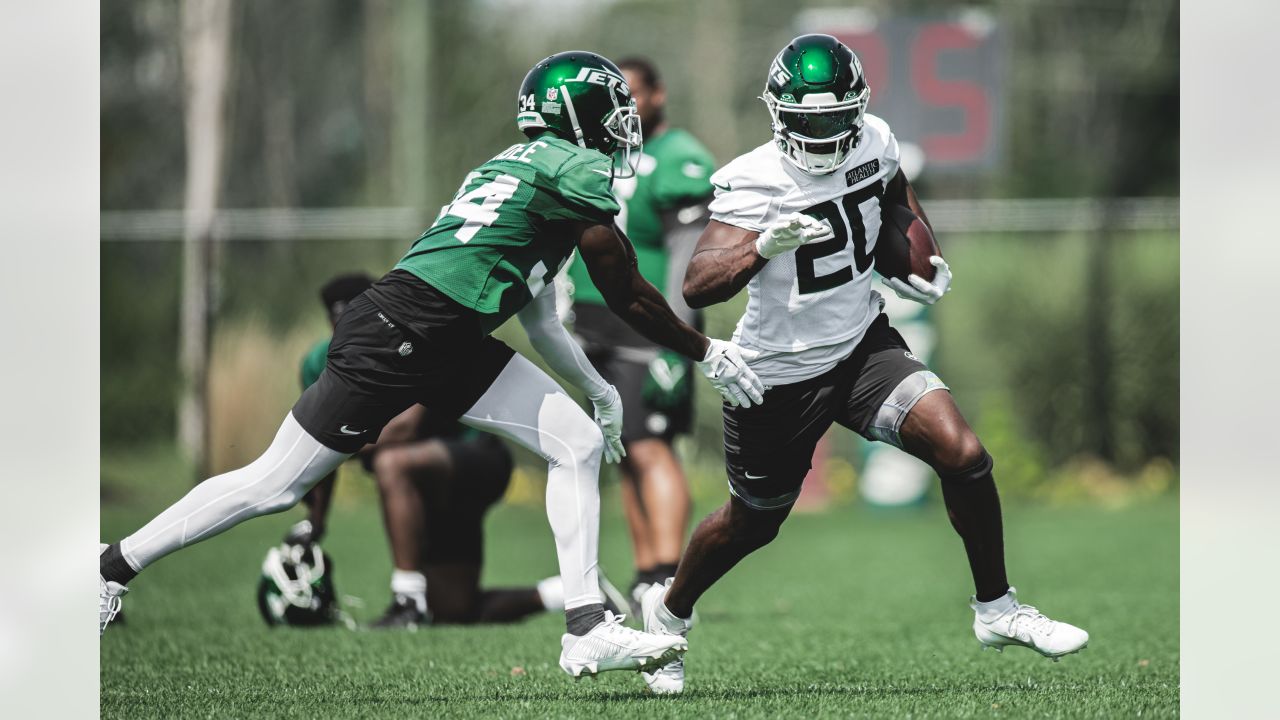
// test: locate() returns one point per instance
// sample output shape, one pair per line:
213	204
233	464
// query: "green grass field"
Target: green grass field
849	613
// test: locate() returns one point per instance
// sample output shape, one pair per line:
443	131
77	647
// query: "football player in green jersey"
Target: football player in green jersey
663	211
421	335
437	479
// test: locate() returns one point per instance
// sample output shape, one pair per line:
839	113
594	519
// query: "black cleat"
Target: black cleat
402	614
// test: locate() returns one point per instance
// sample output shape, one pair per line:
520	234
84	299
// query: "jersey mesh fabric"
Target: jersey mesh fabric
674	170
503	237
807	309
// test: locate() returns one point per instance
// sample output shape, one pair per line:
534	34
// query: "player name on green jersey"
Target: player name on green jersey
503	238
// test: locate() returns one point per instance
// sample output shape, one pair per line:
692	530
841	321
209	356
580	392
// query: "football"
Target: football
905	244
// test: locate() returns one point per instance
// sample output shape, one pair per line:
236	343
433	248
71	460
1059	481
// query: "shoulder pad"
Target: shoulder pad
755	169
876	132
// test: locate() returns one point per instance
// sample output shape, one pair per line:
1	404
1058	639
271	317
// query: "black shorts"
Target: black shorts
626	367
455	510
376	369
769	447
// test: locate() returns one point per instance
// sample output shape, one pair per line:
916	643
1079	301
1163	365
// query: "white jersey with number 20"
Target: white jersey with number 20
808	309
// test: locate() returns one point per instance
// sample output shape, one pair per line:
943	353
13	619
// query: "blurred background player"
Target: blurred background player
663	212
436	481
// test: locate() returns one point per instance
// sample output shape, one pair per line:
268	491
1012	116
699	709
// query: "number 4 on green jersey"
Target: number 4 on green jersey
503	238
490	194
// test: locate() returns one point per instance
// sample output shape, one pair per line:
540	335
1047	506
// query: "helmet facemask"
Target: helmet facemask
583	98
817	134
623	126
295	570
296	588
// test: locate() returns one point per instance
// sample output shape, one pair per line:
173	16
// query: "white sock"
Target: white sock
551	592
990	611
411	584
670	621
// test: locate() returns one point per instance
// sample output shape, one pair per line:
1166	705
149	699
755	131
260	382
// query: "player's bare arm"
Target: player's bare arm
723	262
900	192
611	260
727	264
915	287
402	429
317	501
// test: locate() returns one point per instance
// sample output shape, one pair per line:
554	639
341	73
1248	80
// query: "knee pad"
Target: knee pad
974	472
888	419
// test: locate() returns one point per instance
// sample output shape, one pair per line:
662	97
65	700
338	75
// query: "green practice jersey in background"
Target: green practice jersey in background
494	247
313	363
674	170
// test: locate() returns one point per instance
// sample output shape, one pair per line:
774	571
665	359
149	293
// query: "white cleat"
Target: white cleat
109	594
614	646
668	680
1005	622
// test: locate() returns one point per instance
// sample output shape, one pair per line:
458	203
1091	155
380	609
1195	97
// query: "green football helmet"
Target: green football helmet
296	587
583	98
817	96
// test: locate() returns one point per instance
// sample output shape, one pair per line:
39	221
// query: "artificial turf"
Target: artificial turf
851	612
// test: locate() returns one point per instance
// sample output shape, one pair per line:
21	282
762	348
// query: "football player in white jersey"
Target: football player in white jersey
796	222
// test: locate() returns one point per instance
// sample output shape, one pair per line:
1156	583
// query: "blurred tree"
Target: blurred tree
379	24
141	109
205	48
411	119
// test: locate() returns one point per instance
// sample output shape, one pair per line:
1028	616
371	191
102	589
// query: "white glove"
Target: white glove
726	367
790	233
302	533
609	418
921	290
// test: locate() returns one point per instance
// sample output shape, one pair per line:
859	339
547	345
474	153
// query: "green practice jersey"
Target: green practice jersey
674	170
497	244
313	363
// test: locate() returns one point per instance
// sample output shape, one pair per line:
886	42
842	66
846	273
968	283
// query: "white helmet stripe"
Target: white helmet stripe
573	116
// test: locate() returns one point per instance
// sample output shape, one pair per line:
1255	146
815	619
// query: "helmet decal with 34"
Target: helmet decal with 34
581	97
817	96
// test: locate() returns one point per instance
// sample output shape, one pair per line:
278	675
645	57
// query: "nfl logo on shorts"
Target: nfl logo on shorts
405	348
